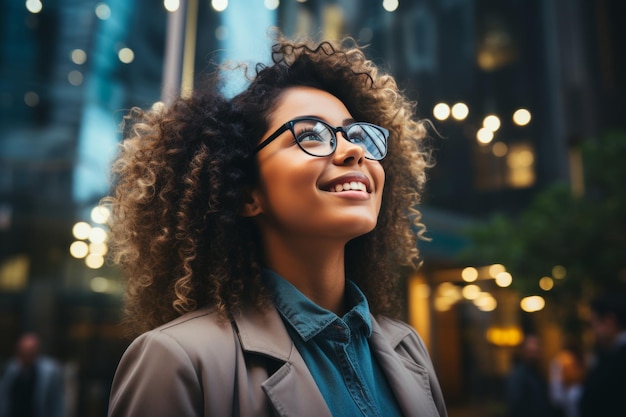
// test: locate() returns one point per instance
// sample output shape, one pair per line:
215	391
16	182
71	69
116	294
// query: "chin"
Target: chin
357	229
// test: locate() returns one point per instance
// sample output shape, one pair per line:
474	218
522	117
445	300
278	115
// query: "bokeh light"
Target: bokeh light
469	274
460	111
441	111
219	5
521	117
503	279
533	303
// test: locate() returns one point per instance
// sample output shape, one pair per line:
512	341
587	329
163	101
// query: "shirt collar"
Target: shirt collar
309	319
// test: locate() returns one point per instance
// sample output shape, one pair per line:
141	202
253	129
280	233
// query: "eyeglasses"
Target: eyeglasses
318	138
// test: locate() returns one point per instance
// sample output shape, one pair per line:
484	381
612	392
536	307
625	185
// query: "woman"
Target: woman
257	233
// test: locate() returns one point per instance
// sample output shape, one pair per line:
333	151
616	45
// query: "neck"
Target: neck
313	266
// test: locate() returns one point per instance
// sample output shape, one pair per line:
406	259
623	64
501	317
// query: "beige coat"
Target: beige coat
198	365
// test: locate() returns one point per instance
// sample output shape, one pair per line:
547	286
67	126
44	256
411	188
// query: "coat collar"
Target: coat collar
264	333
292	384
408	379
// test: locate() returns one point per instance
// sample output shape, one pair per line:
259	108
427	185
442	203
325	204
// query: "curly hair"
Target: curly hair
183	173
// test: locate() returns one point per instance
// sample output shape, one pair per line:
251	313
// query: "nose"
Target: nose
347	152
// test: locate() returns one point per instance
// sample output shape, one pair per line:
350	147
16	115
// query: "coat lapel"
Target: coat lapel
291	389
408	380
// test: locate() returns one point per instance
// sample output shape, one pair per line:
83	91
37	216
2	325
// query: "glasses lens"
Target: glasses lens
370	137
314	138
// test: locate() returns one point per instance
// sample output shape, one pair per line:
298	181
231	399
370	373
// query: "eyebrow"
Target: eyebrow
345	122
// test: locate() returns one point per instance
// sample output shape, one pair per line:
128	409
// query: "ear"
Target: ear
252	204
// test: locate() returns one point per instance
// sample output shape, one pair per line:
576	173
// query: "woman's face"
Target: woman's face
298	194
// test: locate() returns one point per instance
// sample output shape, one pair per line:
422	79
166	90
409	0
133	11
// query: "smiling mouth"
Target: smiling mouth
348	186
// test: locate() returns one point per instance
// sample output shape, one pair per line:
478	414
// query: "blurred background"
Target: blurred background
525	207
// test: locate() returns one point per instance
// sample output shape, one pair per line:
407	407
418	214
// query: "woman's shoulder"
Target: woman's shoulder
394	328
399	333
196	333
203	318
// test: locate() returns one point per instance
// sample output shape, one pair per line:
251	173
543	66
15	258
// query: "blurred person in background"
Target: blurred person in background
567	371
32	384
527	392
259	236
604	389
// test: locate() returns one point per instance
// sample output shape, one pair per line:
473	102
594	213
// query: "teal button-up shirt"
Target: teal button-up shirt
336	350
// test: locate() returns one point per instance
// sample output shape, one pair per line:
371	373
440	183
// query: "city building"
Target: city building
510	86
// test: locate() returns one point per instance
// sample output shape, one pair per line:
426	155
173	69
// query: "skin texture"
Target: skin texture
304	226
186	184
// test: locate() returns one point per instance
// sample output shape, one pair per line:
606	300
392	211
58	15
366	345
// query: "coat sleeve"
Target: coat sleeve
156	377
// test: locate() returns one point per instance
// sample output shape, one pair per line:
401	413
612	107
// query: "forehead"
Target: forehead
308	101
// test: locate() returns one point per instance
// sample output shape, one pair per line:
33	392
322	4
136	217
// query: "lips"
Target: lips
350	182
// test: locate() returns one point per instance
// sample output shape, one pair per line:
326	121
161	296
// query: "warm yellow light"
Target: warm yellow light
504	336
390	5
503	279
520	162
441	111
499	149
103	12
469	274
446	295
559	272
78	56
443	304
94	261
219	5
449	291
34	6
79	249
546	283
422	290
81	230
471	292
126	55
271	4
523	158
491	122
532	303
495	269
484	135
485	302
521	117
171	5
100	214
98	248
97	235
460	111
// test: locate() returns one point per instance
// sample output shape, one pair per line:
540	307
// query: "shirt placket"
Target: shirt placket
344	349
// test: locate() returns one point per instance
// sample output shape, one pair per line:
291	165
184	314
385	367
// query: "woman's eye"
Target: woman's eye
357	135
309	136
357	139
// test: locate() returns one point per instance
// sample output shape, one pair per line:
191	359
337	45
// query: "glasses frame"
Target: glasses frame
343	129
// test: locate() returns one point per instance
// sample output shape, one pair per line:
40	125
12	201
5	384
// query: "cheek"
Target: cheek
379	177
286	183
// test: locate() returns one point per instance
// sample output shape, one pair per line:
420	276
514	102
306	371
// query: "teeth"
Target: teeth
353	185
